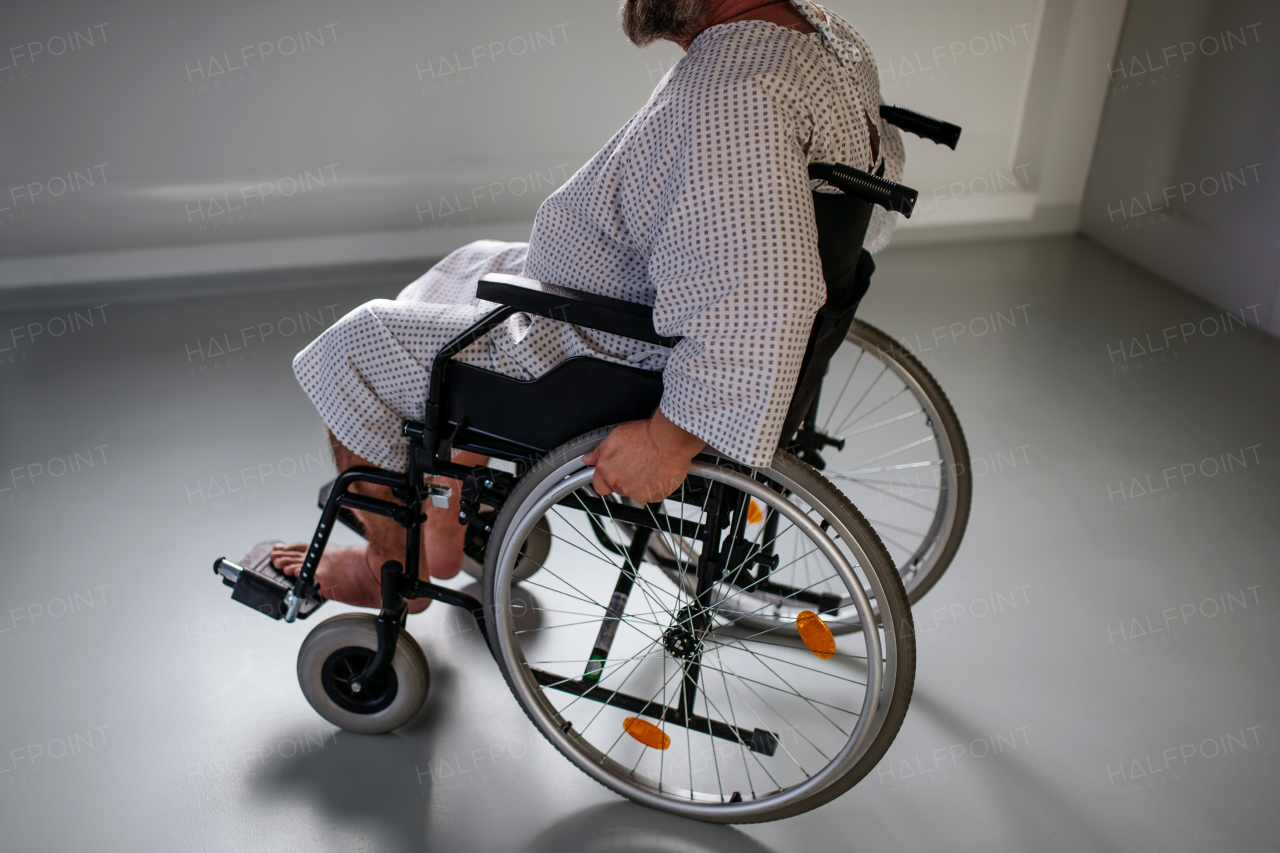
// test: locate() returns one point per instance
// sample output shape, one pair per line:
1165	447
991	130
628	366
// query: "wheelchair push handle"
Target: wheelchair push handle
868	187
926	127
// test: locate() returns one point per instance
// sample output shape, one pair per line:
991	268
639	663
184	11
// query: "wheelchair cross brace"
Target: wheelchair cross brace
757	740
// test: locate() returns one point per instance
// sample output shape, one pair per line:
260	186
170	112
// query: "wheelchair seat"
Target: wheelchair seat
500	413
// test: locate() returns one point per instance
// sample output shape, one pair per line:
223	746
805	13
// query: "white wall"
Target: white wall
1184	180
122	156
1029	110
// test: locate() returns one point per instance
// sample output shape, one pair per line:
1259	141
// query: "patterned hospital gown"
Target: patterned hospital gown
699	206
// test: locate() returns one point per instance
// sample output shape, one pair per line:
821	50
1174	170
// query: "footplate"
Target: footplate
260	585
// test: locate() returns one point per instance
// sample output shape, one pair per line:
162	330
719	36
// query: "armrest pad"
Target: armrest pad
604	313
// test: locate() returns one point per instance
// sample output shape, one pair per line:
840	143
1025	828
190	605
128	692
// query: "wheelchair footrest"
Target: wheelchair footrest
260	585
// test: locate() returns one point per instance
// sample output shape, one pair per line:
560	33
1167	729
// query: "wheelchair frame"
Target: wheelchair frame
460	413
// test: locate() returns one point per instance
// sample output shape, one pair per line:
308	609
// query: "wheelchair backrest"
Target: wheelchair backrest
842	222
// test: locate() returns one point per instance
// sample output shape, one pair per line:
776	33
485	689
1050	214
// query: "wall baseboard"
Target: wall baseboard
250	256
1043	220
175	262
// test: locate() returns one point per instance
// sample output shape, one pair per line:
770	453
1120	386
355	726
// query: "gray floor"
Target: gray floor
1098	669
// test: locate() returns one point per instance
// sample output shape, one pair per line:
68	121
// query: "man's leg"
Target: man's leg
353	575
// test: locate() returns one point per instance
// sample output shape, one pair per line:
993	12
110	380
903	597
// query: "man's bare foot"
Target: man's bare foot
346	574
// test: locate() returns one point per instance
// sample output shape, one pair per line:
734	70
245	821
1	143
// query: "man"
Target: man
700	206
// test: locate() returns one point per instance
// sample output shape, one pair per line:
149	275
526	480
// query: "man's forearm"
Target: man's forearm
673	443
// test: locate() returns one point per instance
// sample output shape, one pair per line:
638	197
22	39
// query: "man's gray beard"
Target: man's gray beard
646	21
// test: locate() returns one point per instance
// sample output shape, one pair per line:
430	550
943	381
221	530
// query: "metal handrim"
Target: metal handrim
566	480
918	567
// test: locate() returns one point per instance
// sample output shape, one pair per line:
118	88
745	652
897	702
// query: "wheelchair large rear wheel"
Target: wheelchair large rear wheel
904	461
659	687
894	447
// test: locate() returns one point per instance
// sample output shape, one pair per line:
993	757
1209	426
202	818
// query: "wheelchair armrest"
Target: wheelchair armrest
604	313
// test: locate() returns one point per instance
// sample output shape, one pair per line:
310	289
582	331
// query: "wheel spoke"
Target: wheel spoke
756	713
872	427
761	693
790	689
883	369
836	406
844	475
847	423
921	486
895	452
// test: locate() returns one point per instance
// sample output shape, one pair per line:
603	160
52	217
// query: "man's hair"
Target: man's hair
646	21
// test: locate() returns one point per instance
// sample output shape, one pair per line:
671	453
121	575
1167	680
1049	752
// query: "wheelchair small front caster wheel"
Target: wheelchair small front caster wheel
336	652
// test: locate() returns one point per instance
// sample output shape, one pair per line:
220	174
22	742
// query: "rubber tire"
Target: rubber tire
413	676
537	547
904	683
951	426
896	594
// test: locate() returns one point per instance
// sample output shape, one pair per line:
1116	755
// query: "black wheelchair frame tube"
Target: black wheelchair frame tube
399	581
304	584
631	560
710	570
434	411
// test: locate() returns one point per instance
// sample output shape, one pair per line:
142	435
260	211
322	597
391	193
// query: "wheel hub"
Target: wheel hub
680	643
340	678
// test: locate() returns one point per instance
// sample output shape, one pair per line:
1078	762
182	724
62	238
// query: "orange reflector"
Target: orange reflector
645	732
754	515
816	634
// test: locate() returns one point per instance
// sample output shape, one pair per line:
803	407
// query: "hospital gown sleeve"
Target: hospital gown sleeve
733	258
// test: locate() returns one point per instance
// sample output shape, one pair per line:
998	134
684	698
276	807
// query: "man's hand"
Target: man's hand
644	460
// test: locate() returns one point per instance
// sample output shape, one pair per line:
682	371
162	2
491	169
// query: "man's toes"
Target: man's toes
287	562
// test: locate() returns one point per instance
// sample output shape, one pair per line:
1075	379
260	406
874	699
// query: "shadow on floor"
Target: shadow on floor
1030	791
525	607
630	828
367	784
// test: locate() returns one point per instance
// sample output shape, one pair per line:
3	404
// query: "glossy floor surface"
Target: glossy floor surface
1097	670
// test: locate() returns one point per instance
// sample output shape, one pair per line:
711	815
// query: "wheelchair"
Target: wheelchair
740	651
